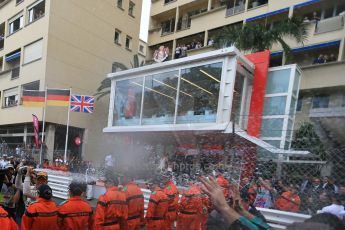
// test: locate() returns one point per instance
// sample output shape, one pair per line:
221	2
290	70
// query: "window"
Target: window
15	24
199	93
13	63
33	51
32	86
117	37
320	101
128	42
167	1
168	26
343	102
131	9
19	1
141	48
11	97
36	11
119	3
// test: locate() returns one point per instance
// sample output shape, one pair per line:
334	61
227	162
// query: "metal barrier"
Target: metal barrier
279	219
59	185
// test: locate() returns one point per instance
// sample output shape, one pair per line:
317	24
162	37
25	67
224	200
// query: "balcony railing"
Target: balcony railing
328	112
235	10
329	24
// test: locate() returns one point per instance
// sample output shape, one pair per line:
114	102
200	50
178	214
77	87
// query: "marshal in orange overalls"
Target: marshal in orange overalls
288	201
135	201
224	183
75	213
6	222
157	210
40	215
173	195
111	210
190	210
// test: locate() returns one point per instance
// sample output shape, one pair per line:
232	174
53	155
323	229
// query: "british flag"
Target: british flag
81	103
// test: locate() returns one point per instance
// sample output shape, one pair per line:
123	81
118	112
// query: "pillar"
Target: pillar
50	139
209	5
206	38
341	55
177	15
291	12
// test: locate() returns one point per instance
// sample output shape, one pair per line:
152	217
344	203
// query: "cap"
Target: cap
8	166
42	175
45	191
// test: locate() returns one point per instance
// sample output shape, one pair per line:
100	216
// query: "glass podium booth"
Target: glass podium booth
198	92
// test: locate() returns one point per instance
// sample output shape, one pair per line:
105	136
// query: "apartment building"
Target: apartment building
174	23
61	44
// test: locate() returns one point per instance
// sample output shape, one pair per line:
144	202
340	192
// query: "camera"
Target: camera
23	170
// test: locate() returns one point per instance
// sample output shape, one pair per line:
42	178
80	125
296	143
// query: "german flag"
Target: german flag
33	98
58	97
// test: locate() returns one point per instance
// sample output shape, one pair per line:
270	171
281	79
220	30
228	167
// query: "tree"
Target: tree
307	139
104	88
255	37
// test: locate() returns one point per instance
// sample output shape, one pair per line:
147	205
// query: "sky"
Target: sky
145	15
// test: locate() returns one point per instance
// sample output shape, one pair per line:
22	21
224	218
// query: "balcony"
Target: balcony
327	112
235	7
329	24
256	3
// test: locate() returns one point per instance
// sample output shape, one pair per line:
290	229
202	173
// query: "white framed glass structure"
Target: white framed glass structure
280	105
202	92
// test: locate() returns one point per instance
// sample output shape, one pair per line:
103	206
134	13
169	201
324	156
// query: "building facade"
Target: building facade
61	44
184	23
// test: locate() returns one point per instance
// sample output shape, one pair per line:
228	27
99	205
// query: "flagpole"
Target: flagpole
69	108
44	124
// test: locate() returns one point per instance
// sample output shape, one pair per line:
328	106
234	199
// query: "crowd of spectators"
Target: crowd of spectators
181	49
321	59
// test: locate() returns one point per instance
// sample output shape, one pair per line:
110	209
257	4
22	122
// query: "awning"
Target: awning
305	3
322	45
268	14
12	56
277	54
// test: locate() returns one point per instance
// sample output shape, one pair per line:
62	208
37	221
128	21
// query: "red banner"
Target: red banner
36	129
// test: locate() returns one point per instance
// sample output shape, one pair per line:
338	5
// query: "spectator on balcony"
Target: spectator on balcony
332	58
210	42
198	45
193	44
319	60
178	51
184	49
316	17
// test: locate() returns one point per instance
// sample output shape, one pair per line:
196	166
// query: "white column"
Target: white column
50	139
209	5
341	55
177	15
206	38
